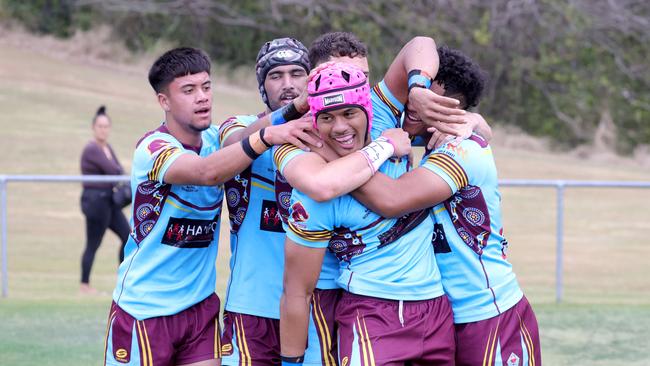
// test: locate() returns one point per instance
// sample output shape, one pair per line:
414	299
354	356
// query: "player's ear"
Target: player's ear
163	99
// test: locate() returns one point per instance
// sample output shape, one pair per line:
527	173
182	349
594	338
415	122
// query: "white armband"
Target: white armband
377	152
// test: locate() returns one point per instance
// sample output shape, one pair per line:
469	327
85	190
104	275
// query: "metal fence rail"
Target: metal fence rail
559	185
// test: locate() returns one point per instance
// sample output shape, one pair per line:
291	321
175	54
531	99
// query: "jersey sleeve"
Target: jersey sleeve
154	155
310	223
386	110
283	154
458	164
231	125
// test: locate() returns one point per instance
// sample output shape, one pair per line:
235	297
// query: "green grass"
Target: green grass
46	105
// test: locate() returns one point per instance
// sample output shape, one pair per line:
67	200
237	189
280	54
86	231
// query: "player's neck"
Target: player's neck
184	134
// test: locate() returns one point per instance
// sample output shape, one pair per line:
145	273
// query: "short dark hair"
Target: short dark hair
335	44
459	74
177	62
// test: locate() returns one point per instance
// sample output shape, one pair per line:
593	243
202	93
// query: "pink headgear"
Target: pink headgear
337	86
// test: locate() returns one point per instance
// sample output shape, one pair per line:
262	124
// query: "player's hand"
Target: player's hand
301	103
439	138
400	139
431	107
299	132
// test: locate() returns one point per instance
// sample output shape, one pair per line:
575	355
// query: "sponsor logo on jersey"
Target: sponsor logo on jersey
190	233
270	219
121	355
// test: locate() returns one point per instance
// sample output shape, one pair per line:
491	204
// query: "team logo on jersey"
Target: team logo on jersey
190	233
270	219
439	240
513	360
344	361
333	99
156	145
298	212
121	355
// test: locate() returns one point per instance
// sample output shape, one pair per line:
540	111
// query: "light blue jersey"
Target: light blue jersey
257	240
378	257
386	110
169	259
468	239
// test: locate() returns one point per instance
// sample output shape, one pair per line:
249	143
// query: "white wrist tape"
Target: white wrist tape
377	152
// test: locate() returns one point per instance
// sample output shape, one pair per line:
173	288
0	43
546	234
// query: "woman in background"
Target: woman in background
98	158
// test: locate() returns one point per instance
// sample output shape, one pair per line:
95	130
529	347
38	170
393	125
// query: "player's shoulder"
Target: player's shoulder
240	119
468	149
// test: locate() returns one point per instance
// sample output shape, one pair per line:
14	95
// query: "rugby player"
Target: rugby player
164	309
494	323
382	262
251	321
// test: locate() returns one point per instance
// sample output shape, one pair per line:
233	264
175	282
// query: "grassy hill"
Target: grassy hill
46	105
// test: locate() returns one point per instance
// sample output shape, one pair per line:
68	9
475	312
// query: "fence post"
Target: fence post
559	248
3	229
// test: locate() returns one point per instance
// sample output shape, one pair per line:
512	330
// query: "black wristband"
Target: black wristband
289	112
264	141
296	359
246	146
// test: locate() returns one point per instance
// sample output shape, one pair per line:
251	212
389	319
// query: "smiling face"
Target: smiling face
187	102
283	84
344	129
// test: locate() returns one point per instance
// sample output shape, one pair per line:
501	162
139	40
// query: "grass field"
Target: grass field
46	105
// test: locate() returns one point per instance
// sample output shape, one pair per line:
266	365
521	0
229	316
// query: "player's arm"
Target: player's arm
311	174
299	132
281	120
302	266
444	132
224	163
418	189
417	65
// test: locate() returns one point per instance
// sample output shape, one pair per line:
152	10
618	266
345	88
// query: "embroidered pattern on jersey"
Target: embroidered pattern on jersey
402	226
470	216
346	243
237	194
150	197
282	195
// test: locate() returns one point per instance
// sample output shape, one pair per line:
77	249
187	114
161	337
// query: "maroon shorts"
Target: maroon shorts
187	337
254	340
509	339
250	340
376	331
321	343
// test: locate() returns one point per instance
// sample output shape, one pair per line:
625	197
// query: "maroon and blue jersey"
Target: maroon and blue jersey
169	259
468	235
